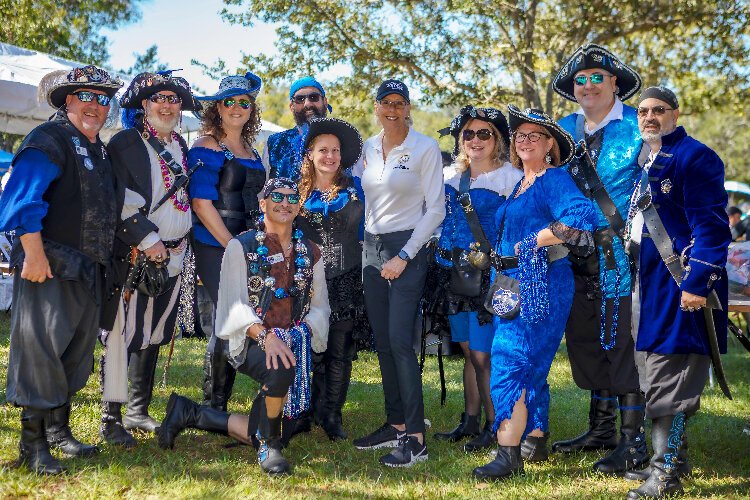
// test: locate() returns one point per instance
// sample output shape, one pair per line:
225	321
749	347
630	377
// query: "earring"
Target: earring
548	158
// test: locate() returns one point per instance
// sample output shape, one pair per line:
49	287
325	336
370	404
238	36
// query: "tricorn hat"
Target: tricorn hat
348	135
144	85
539	117
592	56
60	83
467	113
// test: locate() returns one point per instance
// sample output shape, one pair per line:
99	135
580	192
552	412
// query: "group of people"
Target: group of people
608	227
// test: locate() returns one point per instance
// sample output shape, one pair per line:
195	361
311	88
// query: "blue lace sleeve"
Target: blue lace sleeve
572	212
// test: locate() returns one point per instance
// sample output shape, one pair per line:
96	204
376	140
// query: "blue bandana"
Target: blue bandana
307	81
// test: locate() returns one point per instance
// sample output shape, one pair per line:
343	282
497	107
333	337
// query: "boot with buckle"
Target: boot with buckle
664	479
631	451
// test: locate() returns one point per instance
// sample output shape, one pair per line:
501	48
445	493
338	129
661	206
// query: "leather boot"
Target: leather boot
468	426
61	437
602	432
507	462
218	376
111	429
182	413
141	372
270	458
631	451
534	448
684	469
33	447
666	439
317	393
338	374
485	439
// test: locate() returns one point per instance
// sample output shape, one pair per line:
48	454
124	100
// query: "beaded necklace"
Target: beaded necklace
179	199
301	261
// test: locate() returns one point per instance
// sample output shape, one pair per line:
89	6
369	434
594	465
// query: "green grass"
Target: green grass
202	465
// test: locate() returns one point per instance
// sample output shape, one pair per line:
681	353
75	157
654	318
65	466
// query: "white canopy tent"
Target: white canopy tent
21	70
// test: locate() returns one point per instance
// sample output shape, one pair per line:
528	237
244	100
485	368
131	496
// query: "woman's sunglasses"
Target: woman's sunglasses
292	198
483	134
86	96
231	101
595	78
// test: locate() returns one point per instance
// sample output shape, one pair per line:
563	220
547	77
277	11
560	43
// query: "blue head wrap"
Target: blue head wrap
307	81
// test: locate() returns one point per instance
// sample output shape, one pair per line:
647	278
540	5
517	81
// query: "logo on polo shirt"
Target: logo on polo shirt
402	162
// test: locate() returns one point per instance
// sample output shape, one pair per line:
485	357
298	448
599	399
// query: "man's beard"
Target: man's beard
163	124
301	117
651	136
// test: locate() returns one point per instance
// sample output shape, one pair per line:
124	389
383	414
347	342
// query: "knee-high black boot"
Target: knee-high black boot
631	451
61	437
684	469
666	438
270	458
33	447
602	431
218	375
141	372
182	413
338	374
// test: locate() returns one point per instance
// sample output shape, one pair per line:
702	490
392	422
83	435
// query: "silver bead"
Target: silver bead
260	236
270	281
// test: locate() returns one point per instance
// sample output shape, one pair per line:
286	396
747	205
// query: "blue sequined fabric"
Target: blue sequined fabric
285	152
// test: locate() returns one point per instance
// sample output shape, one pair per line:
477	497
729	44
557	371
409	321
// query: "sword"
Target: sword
179	182
713	342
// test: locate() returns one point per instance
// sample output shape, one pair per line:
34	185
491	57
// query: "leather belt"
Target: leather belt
231	214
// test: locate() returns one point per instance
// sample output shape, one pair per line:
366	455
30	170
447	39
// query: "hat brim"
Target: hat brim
189	103
564	139
628	80
348	135
58	93
229	93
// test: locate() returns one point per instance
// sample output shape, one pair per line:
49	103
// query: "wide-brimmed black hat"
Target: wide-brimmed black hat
349	137
144	85
539	117
60	83
490	115
592	56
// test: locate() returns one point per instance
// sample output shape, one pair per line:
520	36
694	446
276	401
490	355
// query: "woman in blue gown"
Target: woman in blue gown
545	217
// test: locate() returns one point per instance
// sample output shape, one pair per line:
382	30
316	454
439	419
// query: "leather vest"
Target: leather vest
82	211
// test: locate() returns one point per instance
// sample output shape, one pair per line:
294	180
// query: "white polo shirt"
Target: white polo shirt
406	191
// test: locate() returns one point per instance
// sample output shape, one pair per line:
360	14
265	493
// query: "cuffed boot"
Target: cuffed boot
534	448
507	462
485	439
631	451
111	429
141	372
602	432
61	437
270	458
183	413
218	376
664	479
467	427
684	469
33	447
338	375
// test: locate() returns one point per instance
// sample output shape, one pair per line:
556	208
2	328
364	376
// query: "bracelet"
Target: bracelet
261	339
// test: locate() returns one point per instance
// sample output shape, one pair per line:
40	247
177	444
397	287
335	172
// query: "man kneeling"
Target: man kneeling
272	297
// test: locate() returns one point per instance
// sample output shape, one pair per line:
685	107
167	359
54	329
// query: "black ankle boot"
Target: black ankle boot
667	435
467	427
218	376
602	432
270	458
334	427
534	448
33	447
507	462
111	429
141	372
182	413
485	439
631	451
61	437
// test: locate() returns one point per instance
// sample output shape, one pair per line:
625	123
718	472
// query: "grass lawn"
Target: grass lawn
204	465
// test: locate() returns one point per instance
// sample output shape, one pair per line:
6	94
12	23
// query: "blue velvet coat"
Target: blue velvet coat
687	186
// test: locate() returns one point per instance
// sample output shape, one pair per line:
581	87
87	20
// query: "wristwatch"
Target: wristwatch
404	256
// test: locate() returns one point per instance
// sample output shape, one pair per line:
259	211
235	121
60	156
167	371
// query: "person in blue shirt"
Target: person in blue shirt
224	197
60	202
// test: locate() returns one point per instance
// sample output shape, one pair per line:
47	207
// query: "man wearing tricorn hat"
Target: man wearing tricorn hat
683	233
598	333
150	161
60	201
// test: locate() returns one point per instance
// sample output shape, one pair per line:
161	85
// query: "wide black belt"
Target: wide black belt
231	214
173	243
506	262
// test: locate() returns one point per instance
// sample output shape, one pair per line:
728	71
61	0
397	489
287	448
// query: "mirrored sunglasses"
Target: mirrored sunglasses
277	197
231	101
595	78
483	134
161	98
86	96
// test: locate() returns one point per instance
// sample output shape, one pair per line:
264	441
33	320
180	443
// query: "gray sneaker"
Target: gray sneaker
385	437
408	453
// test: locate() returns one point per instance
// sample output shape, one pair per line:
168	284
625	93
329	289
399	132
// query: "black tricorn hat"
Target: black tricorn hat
592	56
348	135
490	115
144	85
539	117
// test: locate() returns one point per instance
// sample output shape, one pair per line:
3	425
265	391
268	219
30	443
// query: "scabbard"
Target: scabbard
713	342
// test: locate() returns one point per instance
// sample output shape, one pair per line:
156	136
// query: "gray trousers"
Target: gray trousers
53	331
392	310
675	383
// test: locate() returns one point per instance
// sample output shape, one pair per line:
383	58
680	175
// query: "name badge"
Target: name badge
276	258
82	151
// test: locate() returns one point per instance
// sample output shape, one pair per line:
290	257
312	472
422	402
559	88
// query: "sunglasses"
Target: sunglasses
531	137
483	134
277	197
312	97
658	111
231	101
86	96
595	78
161	98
